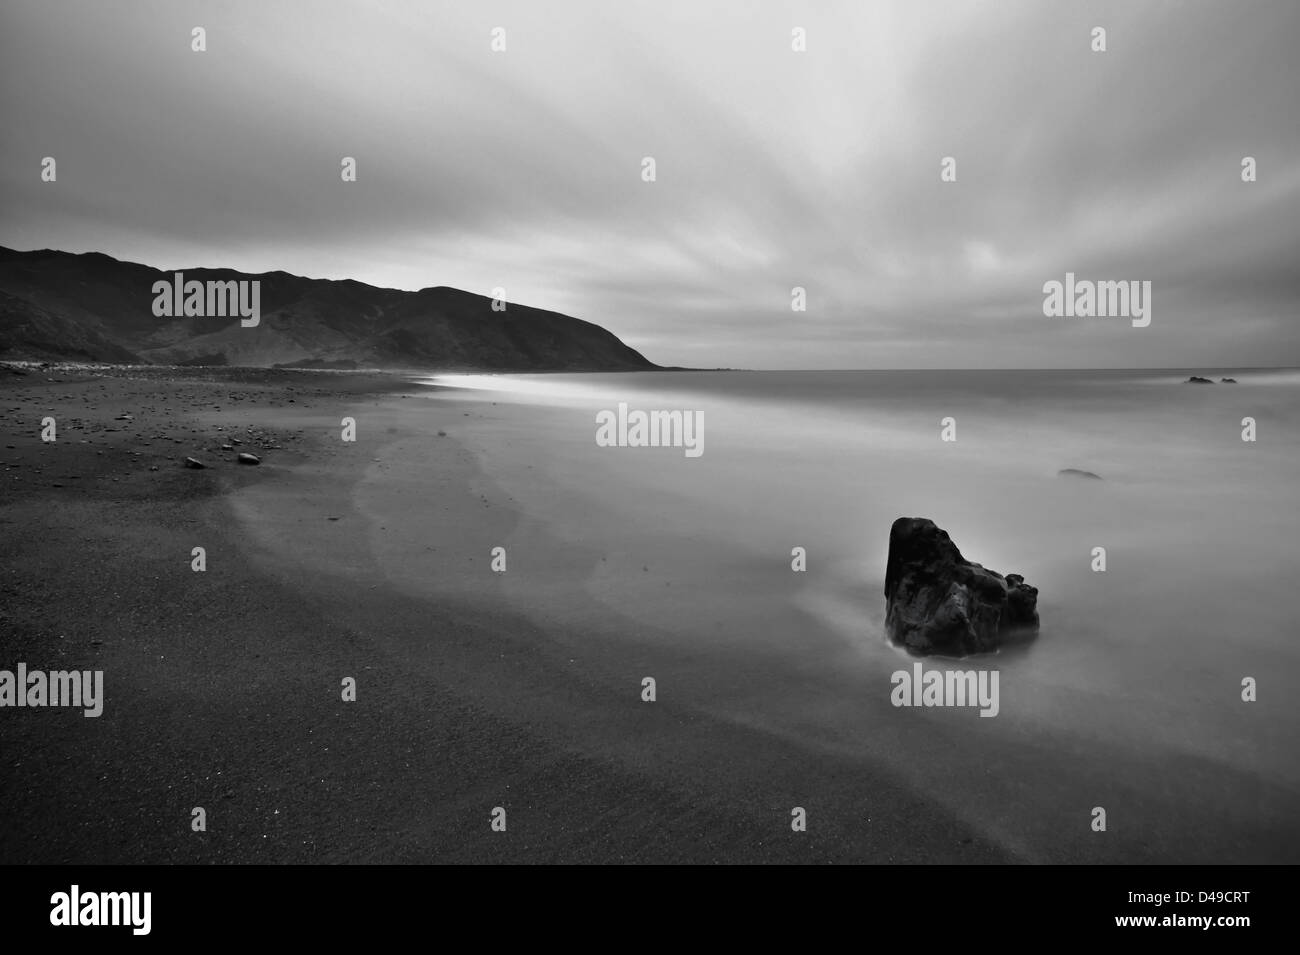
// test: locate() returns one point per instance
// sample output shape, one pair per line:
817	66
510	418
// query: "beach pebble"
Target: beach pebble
246	458
191	463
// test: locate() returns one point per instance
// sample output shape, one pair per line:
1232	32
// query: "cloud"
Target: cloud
775	169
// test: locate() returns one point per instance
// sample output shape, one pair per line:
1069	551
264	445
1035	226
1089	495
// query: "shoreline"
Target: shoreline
222	691
474	690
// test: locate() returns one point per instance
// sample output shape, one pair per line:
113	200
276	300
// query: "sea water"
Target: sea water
1135	691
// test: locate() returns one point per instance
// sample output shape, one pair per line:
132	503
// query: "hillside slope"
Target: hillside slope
91	307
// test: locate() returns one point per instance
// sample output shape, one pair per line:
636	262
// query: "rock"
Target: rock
939	602
1075	472
1197	380
246	458
191	463
227	447
1230	381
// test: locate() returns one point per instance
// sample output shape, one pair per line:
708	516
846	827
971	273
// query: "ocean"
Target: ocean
1129	700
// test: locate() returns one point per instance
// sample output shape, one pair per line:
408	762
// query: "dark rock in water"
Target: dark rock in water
1075	472
1197	380
1230	381
191	463
246	458
939	602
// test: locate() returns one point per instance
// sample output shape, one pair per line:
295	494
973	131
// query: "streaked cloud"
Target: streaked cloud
775	169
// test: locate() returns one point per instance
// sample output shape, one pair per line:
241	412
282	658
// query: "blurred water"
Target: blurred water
1147	658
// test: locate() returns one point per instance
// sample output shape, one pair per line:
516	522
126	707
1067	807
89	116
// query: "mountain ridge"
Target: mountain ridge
90	306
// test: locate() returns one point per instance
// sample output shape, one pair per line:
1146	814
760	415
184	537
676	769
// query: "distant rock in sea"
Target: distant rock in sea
1197	380
939	602
1075	472
1230	381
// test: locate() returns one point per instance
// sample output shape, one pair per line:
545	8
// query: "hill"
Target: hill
92	307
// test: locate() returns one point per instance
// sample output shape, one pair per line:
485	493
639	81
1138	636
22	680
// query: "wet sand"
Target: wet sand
223	688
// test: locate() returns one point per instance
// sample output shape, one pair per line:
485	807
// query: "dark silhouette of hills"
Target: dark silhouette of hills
92	307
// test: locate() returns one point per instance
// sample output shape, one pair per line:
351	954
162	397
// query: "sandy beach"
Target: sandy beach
371	560
223	688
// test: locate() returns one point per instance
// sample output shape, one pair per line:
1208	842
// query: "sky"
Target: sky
820	169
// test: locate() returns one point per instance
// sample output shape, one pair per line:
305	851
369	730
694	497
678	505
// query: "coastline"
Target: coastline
222	688
475	690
